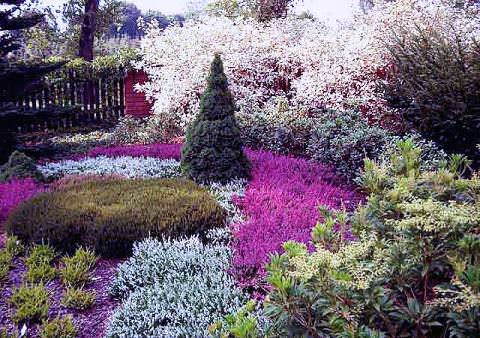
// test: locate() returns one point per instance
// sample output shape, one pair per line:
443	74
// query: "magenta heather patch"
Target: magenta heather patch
159	150
14	192
281	204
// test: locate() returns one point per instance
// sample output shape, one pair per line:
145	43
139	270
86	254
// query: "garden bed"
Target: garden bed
285	190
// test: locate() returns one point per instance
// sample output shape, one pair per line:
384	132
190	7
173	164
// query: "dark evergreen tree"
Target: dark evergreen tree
17	78
213	150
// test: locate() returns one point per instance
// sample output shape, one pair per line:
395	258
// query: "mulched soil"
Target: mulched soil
90	323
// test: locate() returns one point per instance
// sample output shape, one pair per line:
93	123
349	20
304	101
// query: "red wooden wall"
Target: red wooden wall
136	105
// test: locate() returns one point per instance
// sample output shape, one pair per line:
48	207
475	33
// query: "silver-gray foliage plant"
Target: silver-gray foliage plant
173	288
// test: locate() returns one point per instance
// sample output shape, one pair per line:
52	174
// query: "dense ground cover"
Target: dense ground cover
280	204
14	192
289	186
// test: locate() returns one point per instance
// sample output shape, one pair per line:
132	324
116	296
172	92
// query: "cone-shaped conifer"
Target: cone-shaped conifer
213	150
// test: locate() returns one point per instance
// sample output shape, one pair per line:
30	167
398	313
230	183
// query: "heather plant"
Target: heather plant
76	269
15	192
277	127
158	150
130	130
78	298
343	140
225	194
242	324
280	205
31	303
130	167
173	288
39	264
108	216
13	247
411	270
213	150
6	263
19	166
58	327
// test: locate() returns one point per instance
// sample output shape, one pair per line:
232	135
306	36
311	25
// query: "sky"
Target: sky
332	9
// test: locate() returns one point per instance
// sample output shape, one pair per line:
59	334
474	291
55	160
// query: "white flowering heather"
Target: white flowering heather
174	288
224	194
316	65
130	167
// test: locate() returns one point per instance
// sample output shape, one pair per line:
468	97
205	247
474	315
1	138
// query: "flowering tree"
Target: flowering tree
307	62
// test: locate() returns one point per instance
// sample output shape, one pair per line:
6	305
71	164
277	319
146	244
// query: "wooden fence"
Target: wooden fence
72	102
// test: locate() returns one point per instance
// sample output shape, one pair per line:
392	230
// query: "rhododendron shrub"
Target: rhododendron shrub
15	192
280	204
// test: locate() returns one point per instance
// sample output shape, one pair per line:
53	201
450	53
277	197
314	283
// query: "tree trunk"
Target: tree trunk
87	34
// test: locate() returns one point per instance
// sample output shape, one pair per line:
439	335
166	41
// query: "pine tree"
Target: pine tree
213	150
17	78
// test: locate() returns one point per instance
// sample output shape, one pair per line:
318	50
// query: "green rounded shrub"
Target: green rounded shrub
108	216
19	166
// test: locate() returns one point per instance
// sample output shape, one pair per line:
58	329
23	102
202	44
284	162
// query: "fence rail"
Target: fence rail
73	102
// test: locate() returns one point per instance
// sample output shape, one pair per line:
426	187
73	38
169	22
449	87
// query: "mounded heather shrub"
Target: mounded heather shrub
277	128
109	215
280	204
158	150
173	288
19	166
344	140
14	192
130	130
131	167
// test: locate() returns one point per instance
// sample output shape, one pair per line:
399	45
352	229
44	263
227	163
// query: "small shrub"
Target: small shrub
130	167
19	166
213	148
158	150
109	215
13	247
38	264
4	333
173	288
58	328
5	263
144	131
418	231
280	205
439	86
13	193
344	139
277	128
31	303
78	299
75	272
242	324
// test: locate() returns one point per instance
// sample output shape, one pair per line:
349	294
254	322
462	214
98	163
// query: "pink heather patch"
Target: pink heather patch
160	150
281	204
13	193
